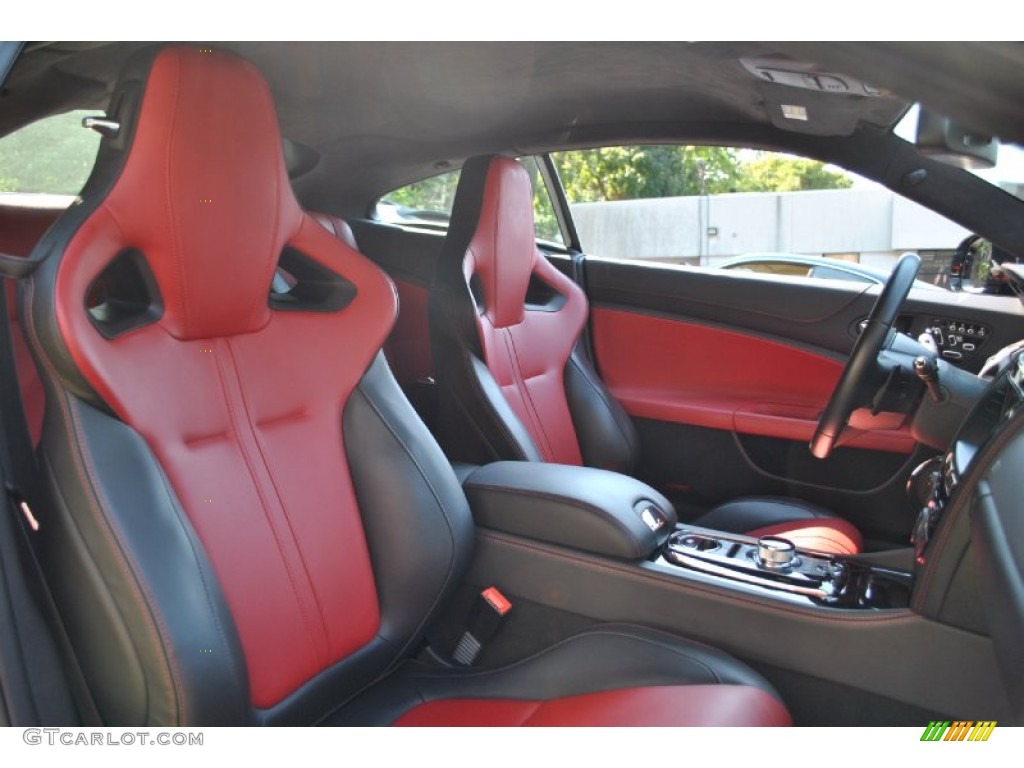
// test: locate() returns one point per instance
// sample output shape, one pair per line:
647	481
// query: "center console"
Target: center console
596	546
774	564
608	514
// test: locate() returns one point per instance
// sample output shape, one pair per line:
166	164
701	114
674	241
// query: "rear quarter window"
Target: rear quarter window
53	156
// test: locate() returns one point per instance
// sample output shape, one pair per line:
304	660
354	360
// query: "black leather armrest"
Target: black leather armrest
589	509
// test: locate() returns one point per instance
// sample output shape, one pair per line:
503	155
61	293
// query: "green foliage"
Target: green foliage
631	173
437	194
770	172
53	155
634	173
434	194
545	224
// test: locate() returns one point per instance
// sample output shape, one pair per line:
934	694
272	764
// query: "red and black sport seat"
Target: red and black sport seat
247	523
513	382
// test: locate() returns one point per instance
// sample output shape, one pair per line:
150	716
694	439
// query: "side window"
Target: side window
52	156
428	204
747	209
544	220
424	203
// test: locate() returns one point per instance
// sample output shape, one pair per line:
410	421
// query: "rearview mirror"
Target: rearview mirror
941	139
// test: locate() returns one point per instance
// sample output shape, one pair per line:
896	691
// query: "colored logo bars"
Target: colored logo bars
959	730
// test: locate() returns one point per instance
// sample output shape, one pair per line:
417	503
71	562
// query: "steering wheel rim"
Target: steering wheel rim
865	352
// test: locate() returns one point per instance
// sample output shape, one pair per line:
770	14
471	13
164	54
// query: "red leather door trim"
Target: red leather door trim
21	227
672	370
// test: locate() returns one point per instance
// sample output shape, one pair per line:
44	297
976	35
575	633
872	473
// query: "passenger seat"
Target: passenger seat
513	382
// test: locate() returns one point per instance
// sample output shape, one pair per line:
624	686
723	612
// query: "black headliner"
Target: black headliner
383	114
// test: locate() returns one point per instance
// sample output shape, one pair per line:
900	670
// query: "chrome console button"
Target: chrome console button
775	553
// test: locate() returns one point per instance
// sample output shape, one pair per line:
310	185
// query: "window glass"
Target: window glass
708	206
51	156
544	220
428	203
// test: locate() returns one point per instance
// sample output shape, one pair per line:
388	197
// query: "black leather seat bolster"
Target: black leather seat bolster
418	525
606	434
132	581
607	657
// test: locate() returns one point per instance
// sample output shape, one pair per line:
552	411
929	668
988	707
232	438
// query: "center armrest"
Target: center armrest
588	509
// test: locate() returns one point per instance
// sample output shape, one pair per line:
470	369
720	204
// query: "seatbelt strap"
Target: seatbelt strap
21	483
16	267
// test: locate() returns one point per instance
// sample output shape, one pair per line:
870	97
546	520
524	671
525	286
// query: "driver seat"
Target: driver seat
513	381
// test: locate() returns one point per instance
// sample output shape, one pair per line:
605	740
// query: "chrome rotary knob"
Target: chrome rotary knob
775	553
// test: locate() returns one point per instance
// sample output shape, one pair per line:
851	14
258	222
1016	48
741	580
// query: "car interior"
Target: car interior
272	459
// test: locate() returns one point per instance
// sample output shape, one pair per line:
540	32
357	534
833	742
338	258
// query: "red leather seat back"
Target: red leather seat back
525	347
239	402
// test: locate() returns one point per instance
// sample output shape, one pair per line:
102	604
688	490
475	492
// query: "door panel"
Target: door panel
408	257
707	376
725	374
21	227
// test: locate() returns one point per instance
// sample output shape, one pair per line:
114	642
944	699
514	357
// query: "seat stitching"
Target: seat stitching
179	267
538	431
211	601
277	492
534	709
524	390
234	421
477	389
611	520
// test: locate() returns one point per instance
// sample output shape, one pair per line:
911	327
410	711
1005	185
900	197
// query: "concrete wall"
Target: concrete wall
873	226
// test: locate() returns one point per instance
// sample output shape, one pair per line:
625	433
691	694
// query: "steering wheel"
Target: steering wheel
849	392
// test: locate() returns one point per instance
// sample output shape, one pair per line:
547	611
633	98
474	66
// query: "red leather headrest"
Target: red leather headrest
503	250
204	193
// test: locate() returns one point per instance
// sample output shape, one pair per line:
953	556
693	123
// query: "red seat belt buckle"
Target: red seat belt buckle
496	600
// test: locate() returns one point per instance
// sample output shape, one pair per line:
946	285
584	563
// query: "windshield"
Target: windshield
1008	173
